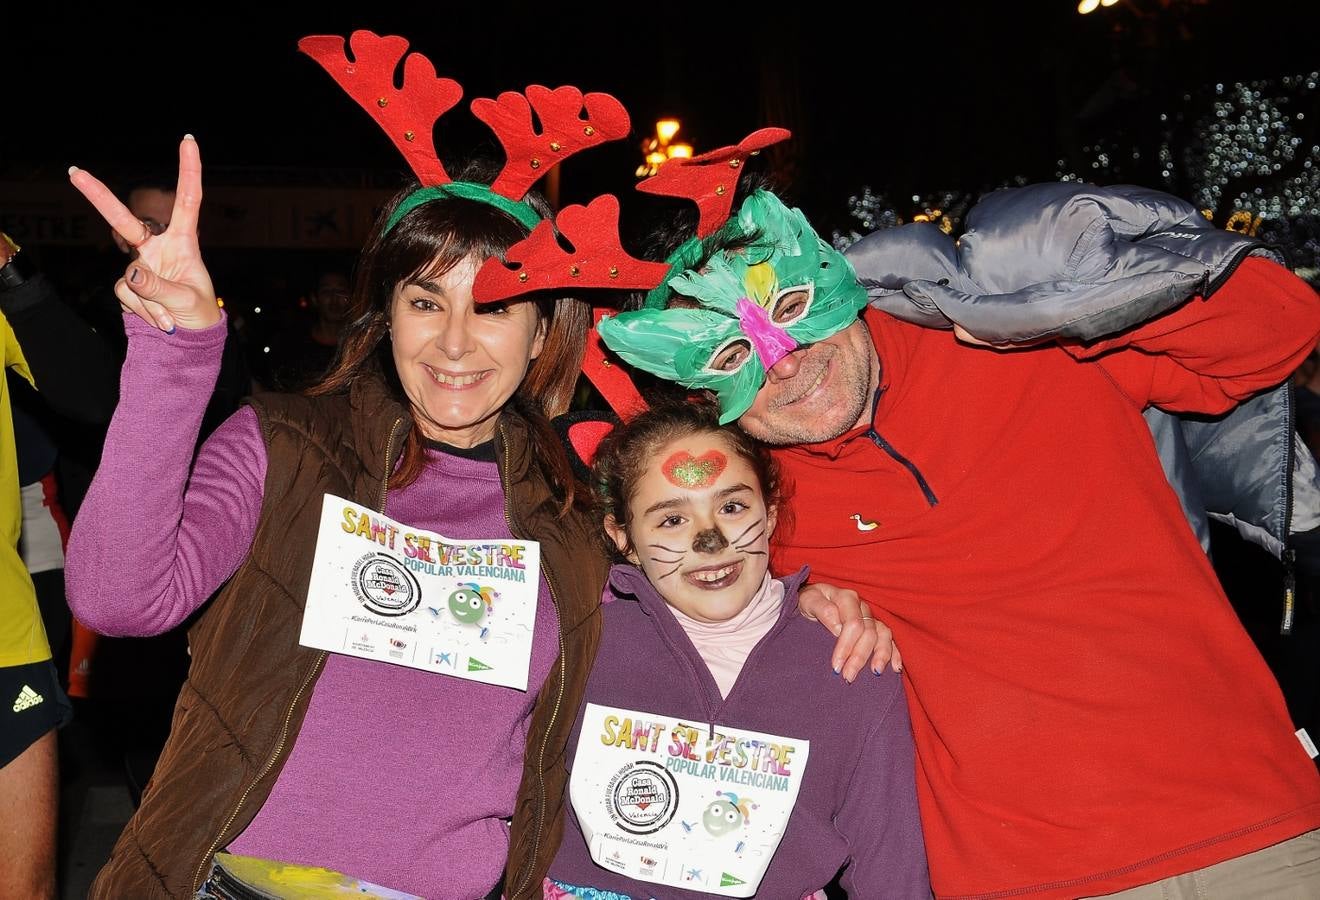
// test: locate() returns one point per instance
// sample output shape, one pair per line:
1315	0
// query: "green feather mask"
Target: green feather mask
780	287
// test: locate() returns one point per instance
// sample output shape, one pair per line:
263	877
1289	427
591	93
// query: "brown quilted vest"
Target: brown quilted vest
250	681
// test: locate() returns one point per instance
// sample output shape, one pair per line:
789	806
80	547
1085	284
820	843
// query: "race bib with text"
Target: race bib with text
679	803
383	590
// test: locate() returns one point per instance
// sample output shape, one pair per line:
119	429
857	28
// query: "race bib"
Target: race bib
673	802
383	590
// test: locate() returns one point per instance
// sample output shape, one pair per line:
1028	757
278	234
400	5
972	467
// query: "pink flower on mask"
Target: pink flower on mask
772	343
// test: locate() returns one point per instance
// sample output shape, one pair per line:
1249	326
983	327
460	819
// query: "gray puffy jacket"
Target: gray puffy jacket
1078	261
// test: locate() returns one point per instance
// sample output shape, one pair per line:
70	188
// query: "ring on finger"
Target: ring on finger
146	234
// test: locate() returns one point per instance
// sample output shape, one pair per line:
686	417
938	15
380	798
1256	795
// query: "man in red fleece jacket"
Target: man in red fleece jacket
1088	711
1089	715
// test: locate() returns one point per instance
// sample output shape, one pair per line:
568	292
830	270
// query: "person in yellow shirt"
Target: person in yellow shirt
32	705
28	770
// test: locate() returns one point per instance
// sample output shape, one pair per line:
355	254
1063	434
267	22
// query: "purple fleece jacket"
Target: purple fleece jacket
398	776
857	805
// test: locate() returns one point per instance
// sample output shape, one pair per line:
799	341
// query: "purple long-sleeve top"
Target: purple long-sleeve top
401	777
857	805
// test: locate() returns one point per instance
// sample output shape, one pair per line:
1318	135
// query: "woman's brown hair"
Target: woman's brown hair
425	244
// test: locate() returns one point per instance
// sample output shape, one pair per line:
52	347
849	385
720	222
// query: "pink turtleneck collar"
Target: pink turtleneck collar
724	646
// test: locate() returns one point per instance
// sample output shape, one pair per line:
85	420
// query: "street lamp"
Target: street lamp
659	149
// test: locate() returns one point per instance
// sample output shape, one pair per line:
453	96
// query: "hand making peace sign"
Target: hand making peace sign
167	284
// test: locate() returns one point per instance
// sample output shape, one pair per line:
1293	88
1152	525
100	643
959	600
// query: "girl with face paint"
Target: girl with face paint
695	629
699	511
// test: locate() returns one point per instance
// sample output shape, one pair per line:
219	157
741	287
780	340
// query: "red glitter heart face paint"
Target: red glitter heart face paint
694	472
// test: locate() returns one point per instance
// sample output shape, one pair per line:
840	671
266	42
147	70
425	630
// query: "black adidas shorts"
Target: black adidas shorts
31	704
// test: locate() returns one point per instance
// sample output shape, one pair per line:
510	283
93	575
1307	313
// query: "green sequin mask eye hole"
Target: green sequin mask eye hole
792	305
730	356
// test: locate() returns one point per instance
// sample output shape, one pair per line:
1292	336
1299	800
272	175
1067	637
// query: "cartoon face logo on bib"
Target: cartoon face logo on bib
470	602
727	815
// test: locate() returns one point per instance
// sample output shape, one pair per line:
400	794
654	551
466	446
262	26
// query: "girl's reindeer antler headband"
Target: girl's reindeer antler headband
570	121
597	259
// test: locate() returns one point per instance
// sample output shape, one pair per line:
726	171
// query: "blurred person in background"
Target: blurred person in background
299	358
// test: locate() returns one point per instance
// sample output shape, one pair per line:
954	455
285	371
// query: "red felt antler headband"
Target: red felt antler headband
596	258
570	121
710	179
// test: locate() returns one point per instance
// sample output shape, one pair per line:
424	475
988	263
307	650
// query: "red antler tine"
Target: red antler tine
711	178
408	114
597	259
564	130
610	379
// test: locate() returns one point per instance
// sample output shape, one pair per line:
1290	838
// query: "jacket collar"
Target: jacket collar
376	418
513	443
892	359
629	581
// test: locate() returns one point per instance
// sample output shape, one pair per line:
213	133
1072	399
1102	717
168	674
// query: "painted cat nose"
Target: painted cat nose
711	540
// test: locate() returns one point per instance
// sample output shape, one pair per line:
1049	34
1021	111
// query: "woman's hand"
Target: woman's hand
861	638
166	284
967	337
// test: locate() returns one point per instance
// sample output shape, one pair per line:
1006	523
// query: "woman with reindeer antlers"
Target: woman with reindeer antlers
433	415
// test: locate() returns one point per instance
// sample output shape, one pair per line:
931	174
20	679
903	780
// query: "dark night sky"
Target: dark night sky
941	95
